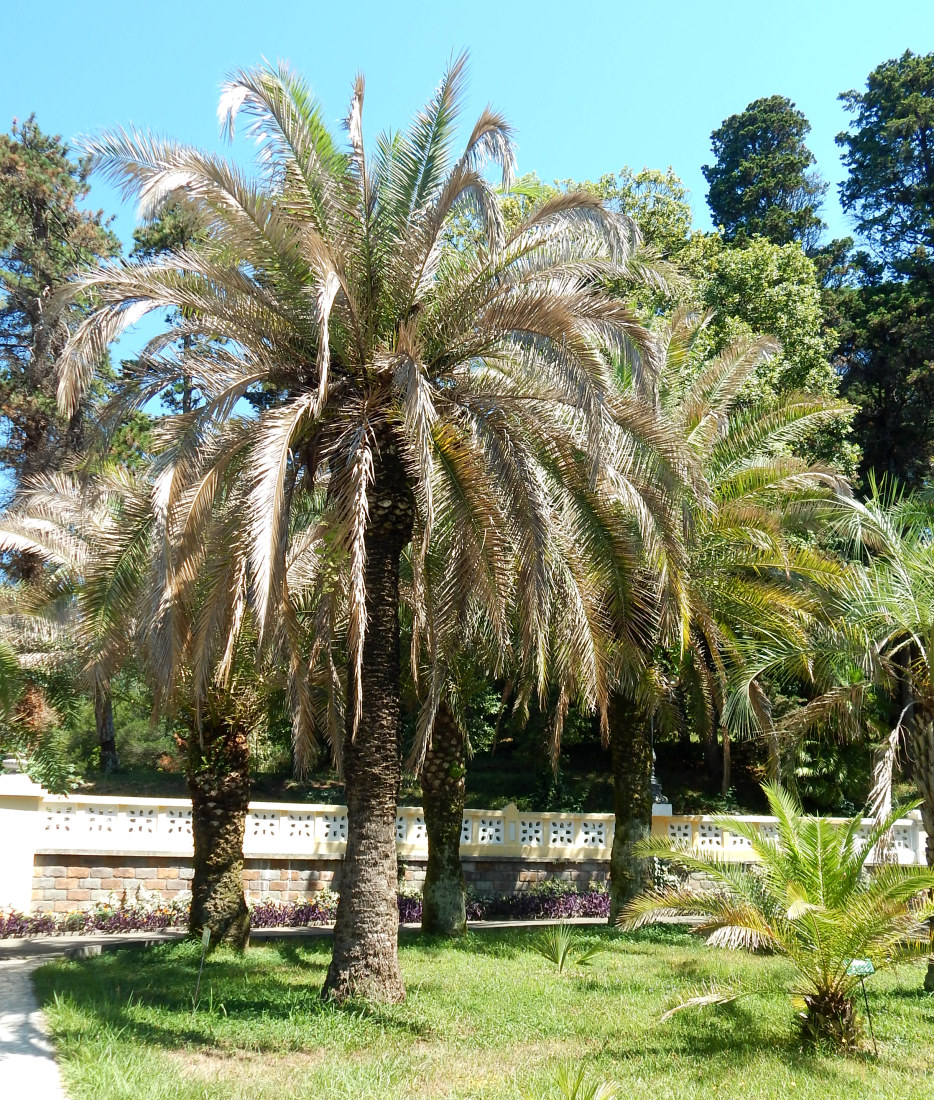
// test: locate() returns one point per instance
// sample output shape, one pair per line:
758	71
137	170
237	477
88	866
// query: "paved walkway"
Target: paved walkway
27	1065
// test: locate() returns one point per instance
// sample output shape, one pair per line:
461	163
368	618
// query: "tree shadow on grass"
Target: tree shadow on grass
302	955
723	1039
107	993
497	945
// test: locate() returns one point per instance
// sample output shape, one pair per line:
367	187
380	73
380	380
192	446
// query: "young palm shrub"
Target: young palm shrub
559	945
569	1082
809	897
384	366
888	612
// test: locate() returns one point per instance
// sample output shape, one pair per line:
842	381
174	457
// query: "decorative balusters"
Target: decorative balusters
141	822
178	822
59	819
112	824
334	827
262	828
490	830
561	832
593	834
301	830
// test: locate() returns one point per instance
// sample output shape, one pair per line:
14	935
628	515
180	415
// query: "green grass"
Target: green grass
486	1018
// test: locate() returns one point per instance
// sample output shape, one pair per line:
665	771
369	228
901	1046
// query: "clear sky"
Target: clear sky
589	86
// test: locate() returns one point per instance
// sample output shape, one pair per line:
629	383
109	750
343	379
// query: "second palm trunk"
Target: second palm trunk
631	748
444	910
219	785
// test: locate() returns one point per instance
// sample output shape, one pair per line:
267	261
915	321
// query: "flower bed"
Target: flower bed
148	912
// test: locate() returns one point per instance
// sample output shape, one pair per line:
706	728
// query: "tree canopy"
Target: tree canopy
889	155
762	182
45	236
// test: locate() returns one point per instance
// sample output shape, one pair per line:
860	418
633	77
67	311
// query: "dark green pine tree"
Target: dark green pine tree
886	362
889	151
762	182
45	236
886	352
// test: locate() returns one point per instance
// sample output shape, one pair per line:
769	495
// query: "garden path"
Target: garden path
27	1062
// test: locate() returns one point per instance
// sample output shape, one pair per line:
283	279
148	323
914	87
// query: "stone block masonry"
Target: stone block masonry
61	887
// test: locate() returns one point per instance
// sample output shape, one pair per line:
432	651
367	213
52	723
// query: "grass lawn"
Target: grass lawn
485	1018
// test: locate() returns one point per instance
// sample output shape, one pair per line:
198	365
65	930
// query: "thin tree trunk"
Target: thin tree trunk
713	760
727	762
631	749
365	959
444	909
922	761
104	719
219	785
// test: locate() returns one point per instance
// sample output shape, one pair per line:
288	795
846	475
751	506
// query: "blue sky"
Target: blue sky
589	87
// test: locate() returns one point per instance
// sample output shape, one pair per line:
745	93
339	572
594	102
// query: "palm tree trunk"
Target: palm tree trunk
727	763
219	785
104	719
631	750
365	959
713	761
444	910
922	760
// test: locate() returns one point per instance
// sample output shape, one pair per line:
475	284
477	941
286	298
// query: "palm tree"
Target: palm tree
97	539
755	577
383	366
888	615
807	897
747	579
54	522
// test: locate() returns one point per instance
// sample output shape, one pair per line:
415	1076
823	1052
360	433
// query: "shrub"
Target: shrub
148	912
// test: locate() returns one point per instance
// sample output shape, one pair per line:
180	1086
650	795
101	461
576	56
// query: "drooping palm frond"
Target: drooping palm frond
326	283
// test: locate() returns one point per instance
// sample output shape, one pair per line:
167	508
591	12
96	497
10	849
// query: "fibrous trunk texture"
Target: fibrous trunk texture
631	749
104	719
922	761
830	1017
444	910
219	784
365	959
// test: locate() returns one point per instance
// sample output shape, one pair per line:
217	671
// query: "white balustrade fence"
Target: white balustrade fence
163	827
33	822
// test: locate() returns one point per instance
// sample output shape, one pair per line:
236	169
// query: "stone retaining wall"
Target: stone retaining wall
61	884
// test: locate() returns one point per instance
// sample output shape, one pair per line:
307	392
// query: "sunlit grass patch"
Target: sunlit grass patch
486	1017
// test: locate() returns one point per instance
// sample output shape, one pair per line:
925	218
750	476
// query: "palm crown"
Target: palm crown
756	584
